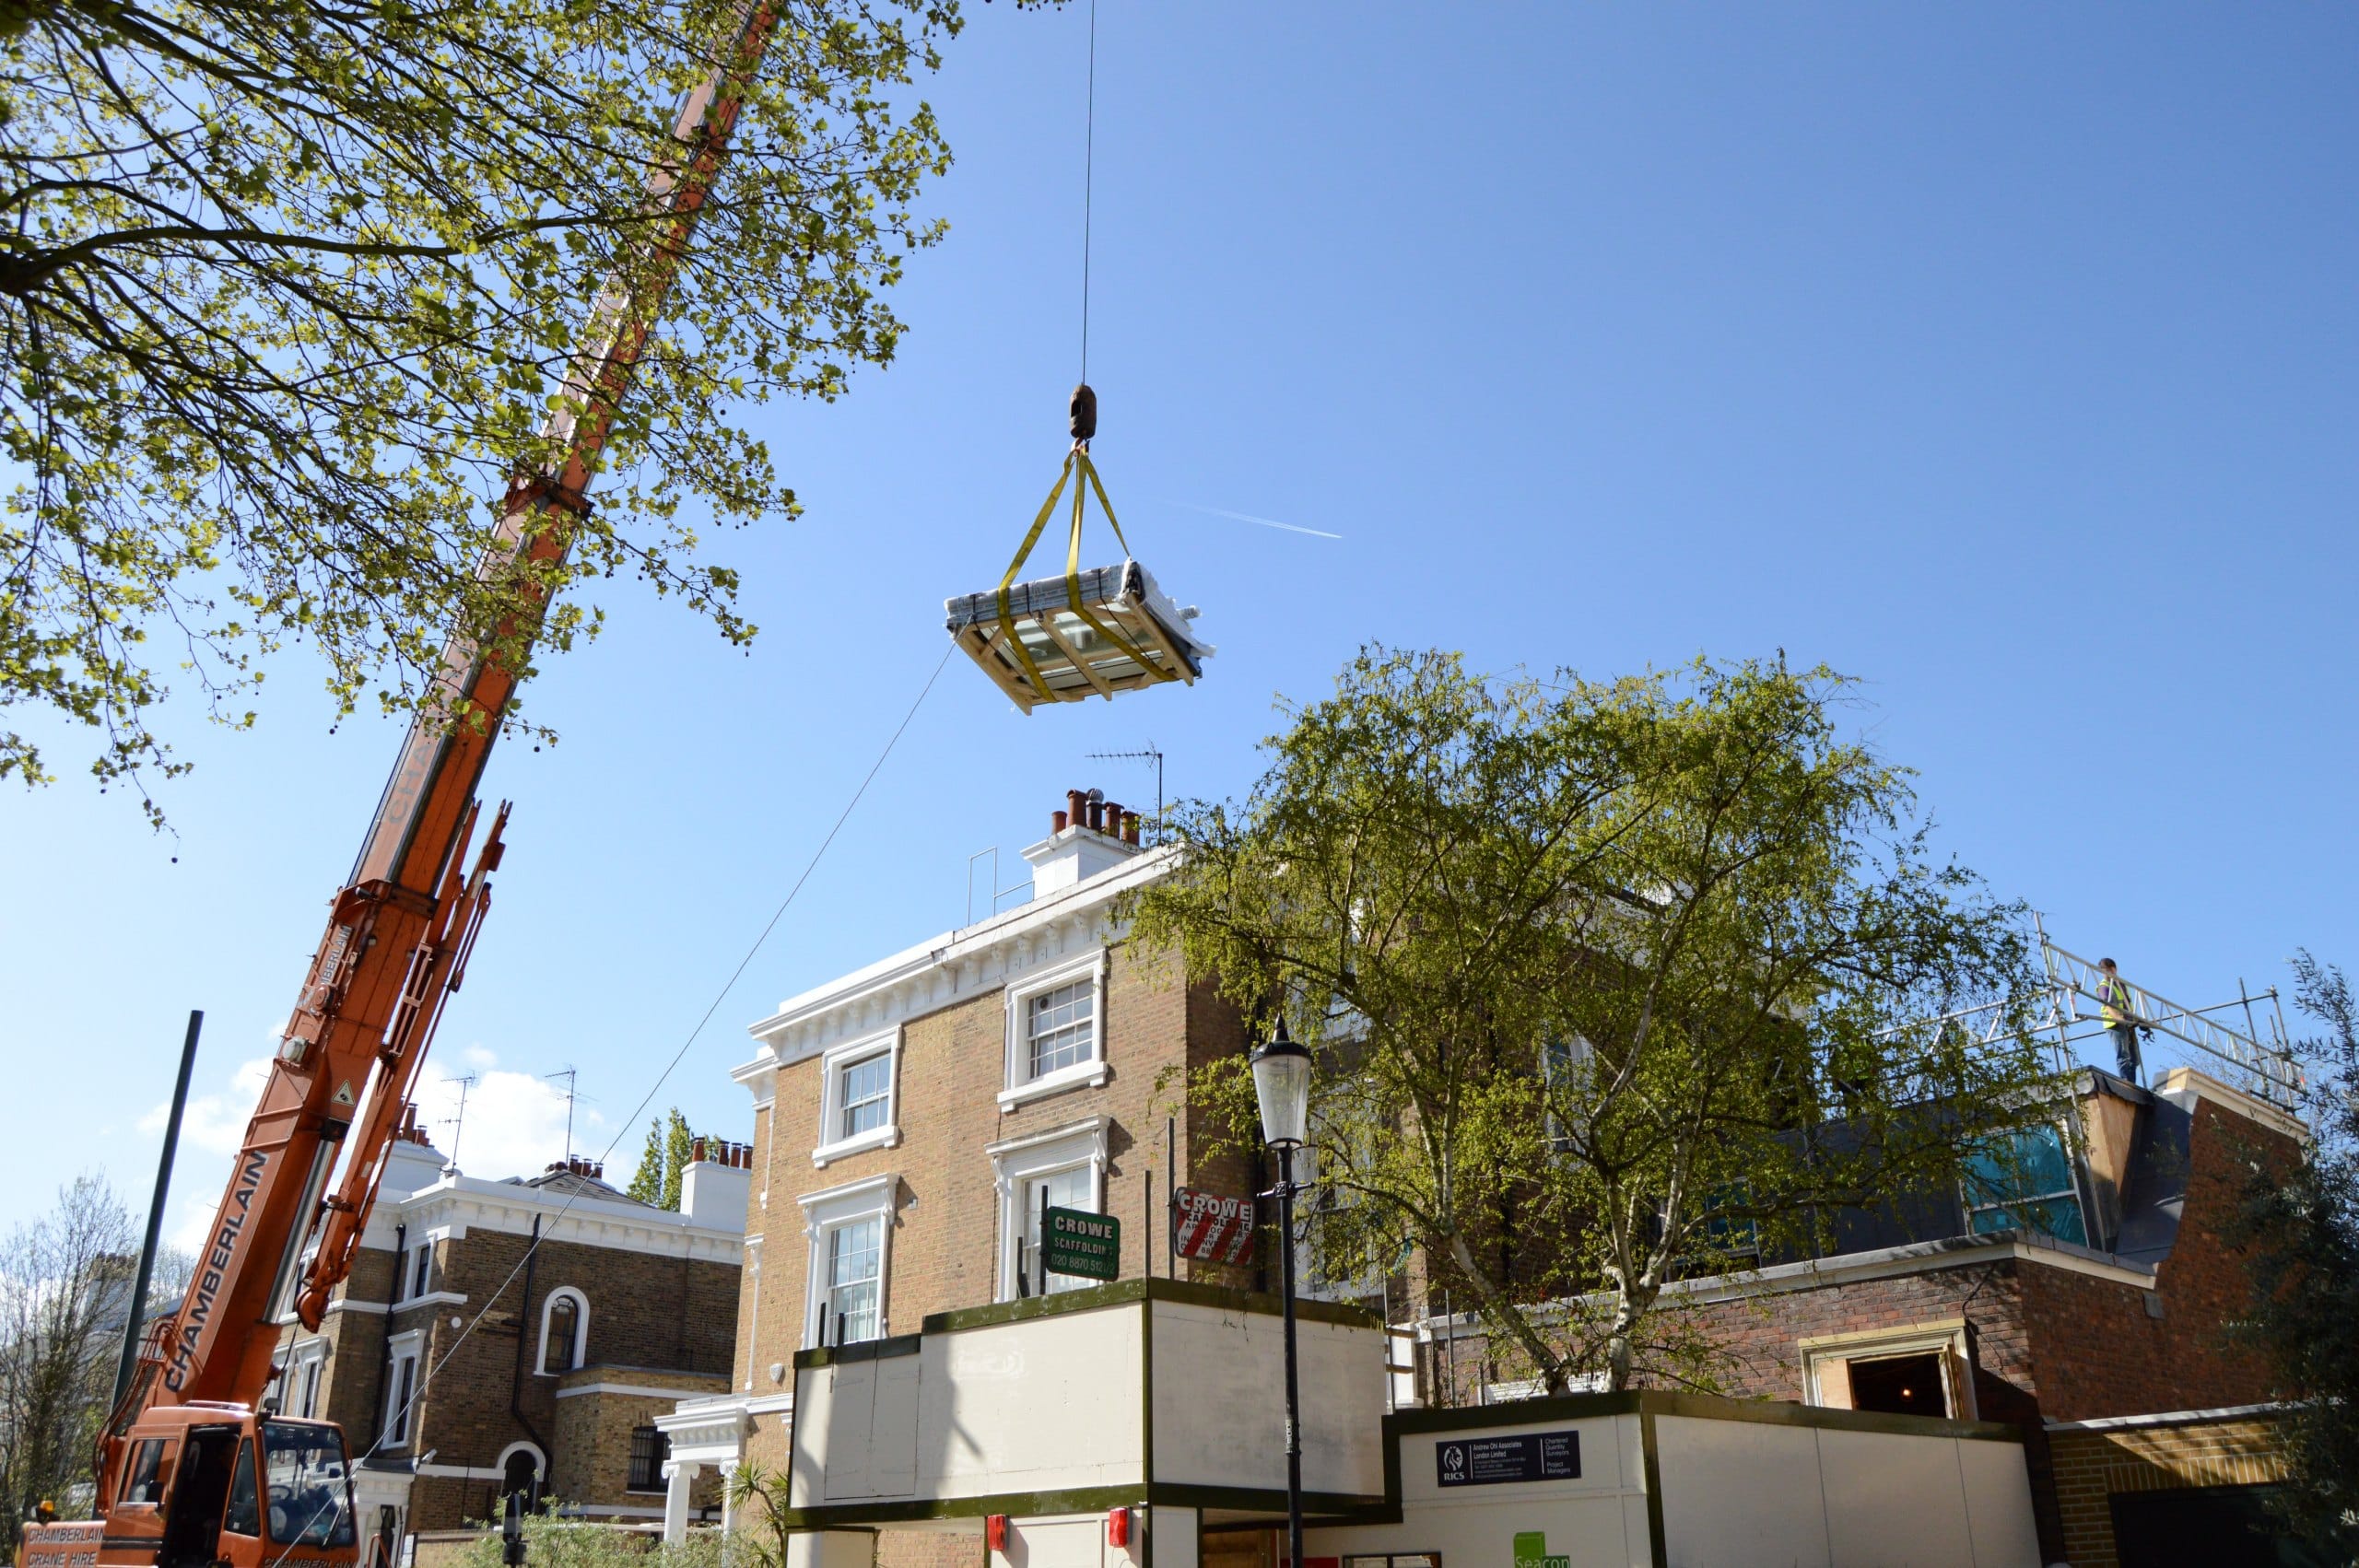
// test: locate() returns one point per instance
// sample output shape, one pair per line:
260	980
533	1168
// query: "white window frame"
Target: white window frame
886	1043
1018	1160
1020	1085
306	1374
579	1351
1576	1050
404	1349
871	1198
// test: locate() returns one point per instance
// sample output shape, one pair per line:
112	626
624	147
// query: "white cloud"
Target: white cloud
515	1126
515	1121
216	1122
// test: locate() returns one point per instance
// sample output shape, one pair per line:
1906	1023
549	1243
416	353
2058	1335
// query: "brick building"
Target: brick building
2106	1294
461	1368
909	1116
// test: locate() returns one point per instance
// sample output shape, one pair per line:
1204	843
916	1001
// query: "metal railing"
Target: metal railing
2266	1071
2071	1012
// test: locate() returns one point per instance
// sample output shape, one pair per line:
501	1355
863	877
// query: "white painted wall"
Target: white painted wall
1599	1520
1740	1492
1220	1402
1736	1495
1042	1405
715	1195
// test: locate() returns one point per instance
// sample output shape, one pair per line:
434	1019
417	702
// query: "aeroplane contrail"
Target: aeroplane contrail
1264	522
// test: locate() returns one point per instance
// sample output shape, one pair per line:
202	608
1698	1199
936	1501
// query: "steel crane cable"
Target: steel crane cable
629	1122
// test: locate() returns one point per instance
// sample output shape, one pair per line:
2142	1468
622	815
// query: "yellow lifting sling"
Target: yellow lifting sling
1105	630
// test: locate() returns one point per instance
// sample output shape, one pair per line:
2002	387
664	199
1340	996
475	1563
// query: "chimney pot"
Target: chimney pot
1077	808
1056	824
695	1151
1129	827
1098	816
1114	819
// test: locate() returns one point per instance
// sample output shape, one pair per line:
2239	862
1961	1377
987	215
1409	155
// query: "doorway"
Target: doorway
193	1531
522	1476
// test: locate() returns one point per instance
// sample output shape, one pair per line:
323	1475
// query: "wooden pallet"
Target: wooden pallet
1075	661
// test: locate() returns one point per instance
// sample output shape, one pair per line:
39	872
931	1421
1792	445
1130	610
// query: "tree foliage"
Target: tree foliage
1614	982
554	1540
2300	1231
289	290
664	1161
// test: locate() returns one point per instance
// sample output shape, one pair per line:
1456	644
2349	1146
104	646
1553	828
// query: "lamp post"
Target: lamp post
1281	1085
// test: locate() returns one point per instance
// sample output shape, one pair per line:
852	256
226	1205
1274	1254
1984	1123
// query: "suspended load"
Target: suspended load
1101	631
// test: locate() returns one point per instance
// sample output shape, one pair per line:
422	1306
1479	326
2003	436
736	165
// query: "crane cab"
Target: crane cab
203	1484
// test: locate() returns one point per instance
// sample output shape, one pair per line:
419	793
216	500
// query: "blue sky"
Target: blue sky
2000	356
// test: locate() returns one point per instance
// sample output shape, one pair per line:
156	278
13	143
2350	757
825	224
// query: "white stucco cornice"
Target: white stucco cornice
458	1203
949	969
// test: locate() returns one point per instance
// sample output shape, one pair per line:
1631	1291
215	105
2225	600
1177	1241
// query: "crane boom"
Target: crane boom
397	940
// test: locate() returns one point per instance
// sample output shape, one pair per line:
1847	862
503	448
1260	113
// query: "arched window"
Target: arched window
565	1330
521	1472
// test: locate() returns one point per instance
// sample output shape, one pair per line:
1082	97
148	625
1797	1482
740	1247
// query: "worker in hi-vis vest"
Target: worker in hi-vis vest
2113	1005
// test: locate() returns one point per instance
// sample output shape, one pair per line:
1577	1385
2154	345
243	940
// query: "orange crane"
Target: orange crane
191	1473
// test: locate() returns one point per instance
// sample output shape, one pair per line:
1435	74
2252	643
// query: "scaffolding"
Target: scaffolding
2257	1060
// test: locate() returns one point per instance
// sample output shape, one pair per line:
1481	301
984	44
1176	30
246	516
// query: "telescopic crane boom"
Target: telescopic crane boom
178	1457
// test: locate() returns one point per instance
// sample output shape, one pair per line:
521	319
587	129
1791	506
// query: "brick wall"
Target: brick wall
1761	1336
592	1433
351	1386
2091	1466
676	1316
945	1247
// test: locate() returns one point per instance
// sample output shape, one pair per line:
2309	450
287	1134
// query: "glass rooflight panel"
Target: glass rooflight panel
1062	1027
867	1094
1081	635
2023	1181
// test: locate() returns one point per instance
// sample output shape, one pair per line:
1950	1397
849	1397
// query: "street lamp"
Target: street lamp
1282	1085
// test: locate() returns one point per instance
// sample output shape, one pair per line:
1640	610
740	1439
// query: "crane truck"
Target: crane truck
192	1471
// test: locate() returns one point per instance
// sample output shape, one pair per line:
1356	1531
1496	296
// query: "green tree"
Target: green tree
290	291
1610	983
647	1182
664	1161
678	1144
762	1535
2300	1231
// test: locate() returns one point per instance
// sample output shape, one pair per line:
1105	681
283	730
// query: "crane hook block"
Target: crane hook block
1085	413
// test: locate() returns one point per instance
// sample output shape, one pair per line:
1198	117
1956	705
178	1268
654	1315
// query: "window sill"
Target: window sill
1081	1074
888	1137
431	1298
